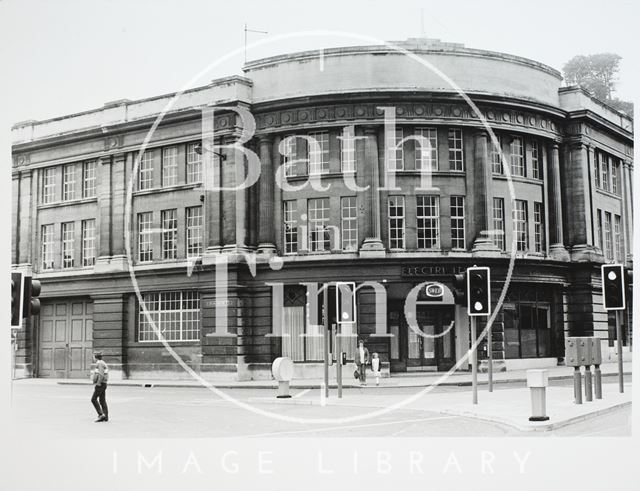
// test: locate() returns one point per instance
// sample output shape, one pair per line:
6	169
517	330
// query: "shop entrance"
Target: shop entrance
432	348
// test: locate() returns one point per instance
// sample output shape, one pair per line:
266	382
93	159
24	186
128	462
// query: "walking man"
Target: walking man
99	398
362	360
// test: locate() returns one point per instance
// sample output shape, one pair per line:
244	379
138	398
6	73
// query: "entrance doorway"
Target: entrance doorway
432	348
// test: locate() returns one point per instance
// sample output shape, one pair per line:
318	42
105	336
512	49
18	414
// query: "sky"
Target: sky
65	56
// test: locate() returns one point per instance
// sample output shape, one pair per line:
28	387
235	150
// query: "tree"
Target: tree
595	73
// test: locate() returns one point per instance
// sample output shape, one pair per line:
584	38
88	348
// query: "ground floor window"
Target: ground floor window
175	314
527	332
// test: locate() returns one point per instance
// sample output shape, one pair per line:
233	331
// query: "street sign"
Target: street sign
434	290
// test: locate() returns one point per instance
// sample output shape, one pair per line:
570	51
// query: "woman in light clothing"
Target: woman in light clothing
375	366
362	360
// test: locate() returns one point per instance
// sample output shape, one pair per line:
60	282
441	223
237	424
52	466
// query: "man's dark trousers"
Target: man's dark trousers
99	394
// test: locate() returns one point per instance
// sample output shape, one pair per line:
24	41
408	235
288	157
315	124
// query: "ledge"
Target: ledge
71	202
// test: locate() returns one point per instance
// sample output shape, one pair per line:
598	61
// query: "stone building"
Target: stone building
96	220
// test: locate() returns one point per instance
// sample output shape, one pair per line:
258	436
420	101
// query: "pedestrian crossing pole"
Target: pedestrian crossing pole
327	333
474	361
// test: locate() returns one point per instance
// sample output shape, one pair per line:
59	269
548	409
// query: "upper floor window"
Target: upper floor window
456	160
615	176
47	246
348	150
194	231
608	237
145	171
89	179
395	150
428	221
457	222
599	243
517	157
617	231
290	220
49	185
169	220
319	237
68	237
521	225
396	222
169	166
538	227
495	156
88	242
194	164
426	149
604	164
69	182
498	223
318	152
145	236
349	223
289	153
175	314
536	160
596	168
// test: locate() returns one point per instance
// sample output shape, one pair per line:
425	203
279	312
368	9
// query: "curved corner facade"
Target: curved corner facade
389	180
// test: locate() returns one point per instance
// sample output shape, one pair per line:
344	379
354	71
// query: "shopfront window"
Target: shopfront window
527	330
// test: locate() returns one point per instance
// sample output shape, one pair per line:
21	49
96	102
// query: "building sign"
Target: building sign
434	290
417	271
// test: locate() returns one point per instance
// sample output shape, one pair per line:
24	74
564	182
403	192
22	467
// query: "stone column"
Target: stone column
212	177
104	213
277	211
234	205
483	195
557	249
265	208
627	206
24	218
372	245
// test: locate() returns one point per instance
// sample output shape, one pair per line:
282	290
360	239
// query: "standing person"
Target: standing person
375	366
362	360
100	377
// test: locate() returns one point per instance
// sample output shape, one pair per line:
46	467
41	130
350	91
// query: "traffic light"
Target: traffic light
16	299
460	288
478	291
31	303
613	291
345	302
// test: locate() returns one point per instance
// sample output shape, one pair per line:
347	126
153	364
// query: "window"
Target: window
145	172
318	153
498	223
169	166
88	242
318	211
348	150
47	247
605	172
289	155
396	222
89	179
615	172
145	242
349	223
69	182
290	227
596	168
608	238
194	231
520	225
538	227
527	331
517	157
426	149
428	218
617	230
68	232
495	156
536	160
175	314
599	231
457	222
49	185
456	161
395	151
194	164
169	219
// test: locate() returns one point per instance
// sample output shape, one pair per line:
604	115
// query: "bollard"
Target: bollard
537	381
598	382
282	370
577	385
588	387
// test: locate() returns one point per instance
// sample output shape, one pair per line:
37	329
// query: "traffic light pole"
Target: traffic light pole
327	333
339	358
474	362
490	353
619	346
